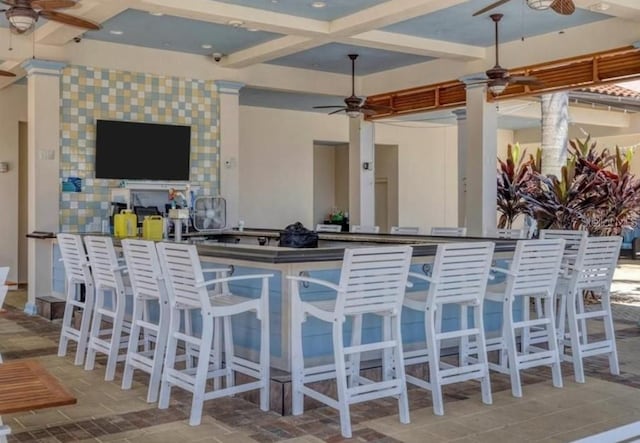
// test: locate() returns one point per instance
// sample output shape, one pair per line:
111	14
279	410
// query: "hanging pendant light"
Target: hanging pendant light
21	19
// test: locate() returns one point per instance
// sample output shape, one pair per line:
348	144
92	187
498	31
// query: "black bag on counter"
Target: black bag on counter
297	236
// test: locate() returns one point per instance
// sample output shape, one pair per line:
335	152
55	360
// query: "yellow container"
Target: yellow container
152	227
125	224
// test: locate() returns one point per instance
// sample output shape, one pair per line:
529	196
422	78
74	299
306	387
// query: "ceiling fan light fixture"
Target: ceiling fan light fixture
497	86
353	114
539	5
21	19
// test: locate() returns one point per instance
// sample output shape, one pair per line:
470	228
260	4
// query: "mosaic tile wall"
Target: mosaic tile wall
89	94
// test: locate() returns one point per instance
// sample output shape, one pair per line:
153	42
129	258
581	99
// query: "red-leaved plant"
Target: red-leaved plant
596	191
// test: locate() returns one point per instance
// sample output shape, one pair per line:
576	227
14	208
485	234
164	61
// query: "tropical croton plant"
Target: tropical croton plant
596	190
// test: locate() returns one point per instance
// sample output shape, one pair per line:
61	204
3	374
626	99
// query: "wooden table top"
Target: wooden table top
26	385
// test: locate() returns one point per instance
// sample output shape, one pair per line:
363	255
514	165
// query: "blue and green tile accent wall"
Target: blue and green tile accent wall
89	94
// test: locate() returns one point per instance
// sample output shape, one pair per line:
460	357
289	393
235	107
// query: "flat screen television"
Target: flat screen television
142	151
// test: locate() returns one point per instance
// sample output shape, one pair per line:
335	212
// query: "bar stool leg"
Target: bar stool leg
403	398
354	359
134	337
609	331
217	349
297	355
433	348
201	372
485	382
265	351
512	351
341	380
170	357
228	351
576	349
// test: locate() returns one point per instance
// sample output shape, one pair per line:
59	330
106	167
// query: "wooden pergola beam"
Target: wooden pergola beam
569	73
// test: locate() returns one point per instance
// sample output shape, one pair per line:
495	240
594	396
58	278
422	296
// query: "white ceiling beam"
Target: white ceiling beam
579	115
54	33
386	14
12	66
270	50
392	41
216	12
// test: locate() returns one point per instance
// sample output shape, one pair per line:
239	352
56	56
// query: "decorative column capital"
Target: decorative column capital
228	87
473	81
43	67
461	114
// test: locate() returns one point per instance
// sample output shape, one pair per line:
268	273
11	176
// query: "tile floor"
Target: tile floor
106	413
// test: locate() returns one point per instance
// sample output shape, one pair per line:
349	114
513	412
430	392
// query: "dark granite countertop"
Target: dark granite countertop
243	245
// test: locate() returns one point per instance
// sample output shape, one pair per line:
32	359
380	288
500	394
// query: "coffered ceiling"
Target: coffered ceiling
308	35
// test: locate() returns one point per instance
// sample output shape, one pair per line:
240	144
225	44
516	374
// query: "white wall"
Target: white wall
276	171
276	167
13	109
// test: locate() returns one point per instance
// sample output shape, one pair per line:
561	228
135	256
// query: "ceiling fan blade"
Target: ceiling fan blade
52	4
9	2
327	107
69	20
490	7
339	110
367	111
6	74
564	7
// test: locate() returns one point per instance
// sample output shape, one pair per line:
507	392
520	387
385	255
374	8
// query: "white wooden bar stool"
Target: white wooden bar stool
372	281
77	273
110	300
593	270
574	242
459	276
187	290
149	289
533	273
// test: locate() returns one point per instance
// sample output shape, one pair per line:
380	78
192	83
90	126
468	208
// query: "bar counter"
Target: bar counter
242	252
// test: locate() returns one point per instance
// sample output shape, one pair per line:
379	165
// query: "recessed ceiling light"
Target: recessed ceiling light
235	23
274	1
599	7
252	29
157	14
116	32
205	46
318	4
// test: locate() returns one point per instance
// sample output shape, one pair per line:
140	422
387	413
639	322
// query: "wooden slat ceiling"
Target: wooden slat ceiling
587	70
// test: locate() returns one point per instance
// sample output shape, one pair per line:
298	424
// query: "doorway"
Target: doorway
382	204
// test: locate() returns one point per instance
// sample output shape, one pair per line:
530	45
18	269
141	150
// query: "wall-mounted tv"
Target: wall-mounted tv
142	151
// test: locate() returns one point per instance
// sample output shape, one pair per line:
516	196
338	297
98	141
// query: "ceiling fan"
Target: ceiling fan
564	7
498	78
23	14
355	105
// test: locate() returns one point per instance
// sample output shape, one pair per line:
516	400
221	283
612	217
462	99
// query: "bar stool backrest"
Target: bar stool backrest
574	240
184	278
404	230
449	231
597	261
74	259
144	269
104	263
321	227
364	229
511	233
373	279
535	267
460	273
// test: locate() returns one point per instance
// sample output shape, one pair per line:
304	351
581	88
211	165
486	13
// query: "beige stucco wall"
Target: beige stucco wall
13	109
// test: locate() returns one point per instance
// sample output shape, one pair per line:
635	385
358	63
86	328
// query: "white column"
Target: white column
43	111
461	116
482	139
229	99
361	172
